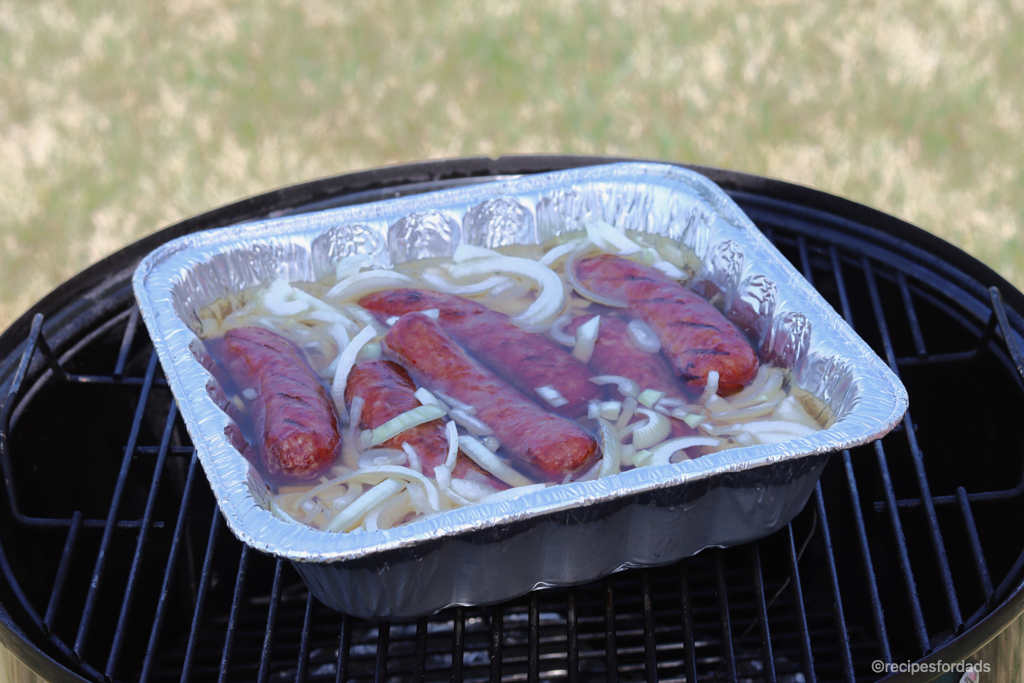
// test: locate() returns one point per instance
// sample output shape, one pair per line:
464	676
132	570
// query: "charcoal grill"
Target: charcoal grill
116	565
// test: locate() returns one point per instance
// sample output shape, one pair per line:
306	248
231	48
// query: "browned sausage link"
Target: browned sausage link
294	419
544	444
525	360
615	354
388	391
695	336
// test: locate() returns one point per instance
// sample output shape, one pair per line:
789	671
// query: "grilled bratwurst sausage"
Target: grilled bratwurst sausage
615	354
388	391
695	336
525	360
547	445
294	419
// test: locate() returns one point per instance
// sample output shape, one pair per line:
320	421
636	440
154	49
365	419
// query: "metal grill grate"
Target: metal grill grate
117	564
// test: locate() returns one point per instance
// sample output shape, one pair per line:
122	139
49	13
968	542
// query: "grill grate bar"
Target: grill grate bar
650	645
236	604
611	660
140	545
837	601
420	661
877	614
172	557
1004	325
458	643
728	657
686	614
303	664
572	636
345	649
35	340
126	342
204	584
977	554
101	558
901	549
497	640
268	638
383	634
62	571
762	613
911	311
801	613
934	533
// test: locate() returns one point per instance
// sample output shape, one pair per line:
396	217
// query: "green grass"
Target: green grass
117	119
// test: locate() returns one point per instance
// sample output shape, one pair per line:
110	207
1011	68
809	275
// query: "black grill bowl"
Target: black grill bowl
116	565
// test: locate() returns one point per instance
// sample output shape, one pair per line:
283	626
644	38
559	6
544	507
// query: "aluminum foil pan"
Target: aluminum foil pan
564	534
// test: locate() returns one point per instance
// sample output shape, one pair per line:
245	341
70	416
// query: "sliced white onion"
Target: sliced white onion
382	457
432	313
414	458
452	433
550	299
491	462
339	503
586	337
654	431
662	455
349	450
784	426
557	330
574	282
711	388
607	238
509	494
648	397
643	337
346	359
491	443
626	386
363	317
669	270
426	398
455	403
400	423
351	516
717	404
392	320
443	476
691	419
443	284
456	498
470	423
368	280
350	265
609	410
610	462
279	299
509	285
552	396
628	408
418	498
555	253
249	393
388	513
791	409
468	252
472	490
743	414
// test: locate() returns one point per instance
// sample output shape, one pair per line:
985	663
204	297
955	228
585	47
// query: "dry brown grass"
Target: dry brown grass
116	120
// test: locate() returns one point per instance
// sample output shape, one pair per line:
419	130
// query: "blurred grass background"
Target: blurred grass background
117	118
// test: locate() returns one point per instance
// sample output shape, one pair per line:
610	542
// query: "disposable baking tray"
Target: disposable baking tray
560	535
